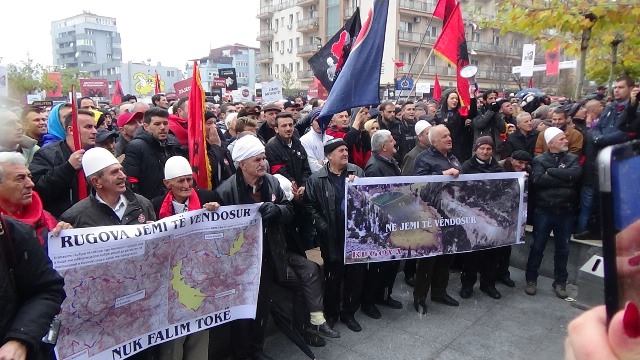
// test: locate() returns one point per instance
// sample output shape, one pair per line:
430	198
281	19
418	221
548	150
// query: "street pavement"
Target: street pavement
518	326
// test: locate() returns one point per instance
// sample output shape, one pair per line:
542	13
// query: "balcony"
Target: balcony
284	5
305	75
66	50
306	2
416	6
264	57
308	24
266	12
429	70
308	50
65	39
414	37
493	49
265	34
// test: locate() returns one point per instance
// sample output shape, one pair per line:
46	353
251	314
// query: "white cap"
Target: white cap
96	159
246	147
421	125
177	166
551	133
286	186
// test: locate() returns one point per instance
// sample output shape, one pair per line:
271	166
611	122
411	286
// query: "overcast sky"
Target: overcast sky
169	32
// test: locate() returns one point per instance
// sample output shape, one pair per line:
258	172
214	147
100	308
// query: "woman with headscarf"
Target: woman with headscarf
55	127
459	125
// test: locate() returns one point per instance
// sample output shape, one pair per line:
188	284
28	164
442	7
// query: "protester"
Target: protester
55	126
560	120
339	125
381	276
422	143
219	157
160	100
12	138
293	108
371	126
401	133
358	139
459	126
324	198
181	197
87	103
178	121
267	129
251	184
128	123
34	121
490	121
555	175
524	138
433	272
313	142
55	167
483	261
147	153
31	293
110	202
106	139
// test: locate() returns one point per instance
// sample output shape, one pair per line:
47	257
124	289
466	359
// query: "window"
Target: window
298	66
475	36
290	21
297	41
515	43
496	38
277	25
404	26
290	45
474	62
282	21
277	46
433	32
291	66
432	61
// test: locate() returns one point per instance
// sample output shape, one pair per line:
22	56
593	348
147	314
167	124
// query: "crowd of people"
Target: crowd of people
134	158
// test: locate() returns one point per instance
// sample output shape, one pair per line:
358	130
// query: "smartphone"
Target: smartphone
619	181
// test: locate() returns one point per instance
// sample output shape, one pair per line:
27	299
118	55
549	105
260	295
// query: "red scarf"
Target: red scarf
166	209
35	216
178	127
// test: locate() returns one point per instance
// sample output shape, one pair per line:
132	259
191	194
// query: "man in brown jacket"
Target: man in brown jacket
560	120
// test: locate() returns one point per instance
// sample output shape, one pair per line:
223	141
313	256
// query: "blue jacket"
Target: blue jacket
607	131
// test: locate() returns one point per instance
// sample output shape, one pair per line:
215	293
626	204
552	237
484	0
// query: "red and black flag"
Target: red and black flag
327	63
198	157
116	98
77	144
444	9
552	58
451	45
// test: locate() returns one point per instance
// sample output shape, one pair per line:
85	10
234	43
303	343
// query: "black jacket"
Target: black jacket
204	196
379	166
476	166
144	163
409	161
432	162
320	200
31	291
90	212
276	242
555	177
221	164
519	141
290	162
461	135
55	179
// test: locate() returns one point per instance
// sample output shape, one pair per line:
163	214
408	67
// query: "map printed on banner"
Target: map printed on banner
132	287
419	216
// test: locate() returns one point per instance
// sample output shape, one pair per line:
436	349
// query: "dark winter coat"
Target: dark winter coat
555	177
290	162
90	212
403	133
476	166
607	131
409	161
31	291
520	141
221	164
432	162
276	242
359	145
379	166
144	163
489	123
55	179
320	200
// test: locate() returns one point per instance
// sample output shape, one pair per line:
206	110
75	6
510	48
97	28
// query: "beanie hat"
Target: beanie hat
177	166
333	144
246	147
421	125
521	155
551	133
483	140
96	159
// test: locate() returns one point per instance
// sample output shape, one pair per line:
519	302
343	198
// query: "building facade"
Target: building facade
238	56
291	31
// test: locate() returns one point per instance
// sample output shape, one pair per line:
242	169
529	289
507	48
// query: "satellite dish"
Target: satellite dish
469	71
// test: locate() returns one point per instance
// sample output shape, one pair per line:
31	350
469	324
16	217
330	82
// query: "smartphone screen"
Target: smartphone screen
619	173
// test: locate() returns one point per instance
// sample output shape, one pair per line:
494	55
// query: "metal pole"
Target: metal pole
415	81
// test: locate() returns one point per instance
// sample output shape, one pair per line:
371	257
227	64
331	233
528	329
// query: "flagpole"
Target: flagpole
424	36
415	81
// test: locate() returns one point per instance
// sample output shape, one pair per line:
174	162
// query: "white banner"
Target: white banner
528	58
132	287
271	91
423	87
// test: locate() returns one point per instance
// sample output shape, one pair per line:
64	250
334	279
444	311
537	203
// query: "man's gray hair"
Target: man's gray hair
378	139
10	157
522	115
433	131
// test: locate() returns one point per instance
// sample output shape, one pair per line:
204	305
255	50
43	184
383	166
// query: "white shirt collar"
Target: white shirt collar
120	207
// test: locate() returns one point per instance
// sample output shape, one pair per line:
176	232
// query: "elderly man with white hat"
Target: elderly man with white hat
555	176
251	184
110	202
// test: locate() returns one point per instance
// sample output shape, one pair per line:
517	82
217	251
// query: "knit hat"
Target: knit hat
314	113
177	166
333	144
521	155
551	133
421	125
96	159
483	140
246	147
